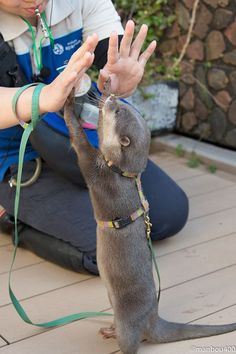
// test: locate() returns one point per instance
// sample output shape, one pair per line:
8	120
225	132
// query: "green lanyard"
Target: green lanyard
27	130
38	58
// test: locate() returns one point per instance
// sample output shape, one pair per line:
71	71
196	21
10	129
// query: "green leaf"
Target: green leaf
179	150
212	168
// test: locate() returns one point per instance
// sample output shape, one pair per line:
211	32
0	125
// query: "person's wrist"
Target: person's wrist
43	100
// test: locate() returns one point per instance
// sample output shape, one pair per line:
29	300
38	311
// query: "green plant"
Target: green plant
212	168
194	160
179	150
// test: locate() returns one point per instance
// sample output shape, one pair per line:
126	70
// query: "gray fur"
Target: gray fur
123	256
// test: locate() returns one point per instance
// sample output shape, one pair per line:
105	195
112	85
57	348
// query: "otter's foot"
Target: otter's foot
108	332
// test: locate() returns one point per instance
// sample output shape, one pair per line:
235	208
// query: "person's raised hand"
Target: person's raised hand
54	95
125	65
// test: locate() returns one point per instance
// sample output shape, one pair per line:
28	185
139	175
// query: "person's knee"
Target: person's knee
175	220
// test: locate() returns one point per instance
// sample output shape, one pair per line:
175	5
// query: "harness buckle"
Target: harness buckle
121	223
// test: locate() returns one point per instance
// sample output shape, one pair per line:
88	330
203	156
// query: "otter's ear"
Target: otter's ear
124	140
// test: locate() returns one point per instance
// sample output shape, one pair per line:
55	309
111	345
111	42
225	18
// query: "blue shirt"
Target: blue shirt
70	22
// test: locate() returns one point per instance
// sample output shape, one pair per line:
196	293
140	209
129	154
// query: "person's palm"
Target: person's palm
125	66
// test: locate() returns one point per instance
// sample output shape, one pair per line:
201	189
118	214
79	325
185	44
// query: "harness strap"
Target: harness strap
28	127
116	169
120	223
123	222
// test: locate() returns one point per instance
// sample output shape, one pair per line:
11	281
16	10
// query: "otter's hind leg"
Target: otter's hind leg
129	337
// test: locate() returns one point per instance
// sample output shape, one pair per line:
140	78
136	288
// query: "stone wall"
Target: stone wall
207	106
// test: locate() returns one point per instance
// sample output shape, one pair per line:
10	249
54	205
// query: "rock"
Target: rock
204	17
217	120
181	42
195	50
182	89
188	121
203	130
232	112
201	87
215	45
183	16
188	3
168	47
223	100
231	33
187	72
232	78
188	79
230	138
222	18
223	3
230	58
212	3
217	79
200	109
187	101
174	31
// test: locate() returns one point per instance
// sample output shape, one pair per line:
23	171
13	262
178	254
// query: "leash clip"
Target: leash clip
148	226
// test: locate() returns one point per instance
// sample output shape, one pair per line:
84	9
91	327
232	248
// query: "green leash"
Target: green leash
28	128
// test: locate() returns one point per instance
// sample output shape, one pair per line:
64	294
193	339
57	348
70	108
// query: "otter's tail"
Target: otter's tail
166	332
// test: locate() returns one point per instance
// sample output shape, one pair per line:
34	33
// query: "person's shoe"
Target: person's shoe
6	222
56	250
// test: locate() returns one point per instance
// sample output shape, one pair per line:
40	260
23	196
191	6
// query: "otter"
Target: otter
123	255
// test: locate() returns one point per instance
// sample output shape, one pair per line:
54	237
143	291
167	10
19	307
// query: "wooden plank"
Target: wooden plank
37	279
199	230
178	169
5	239
77	338
23	258
2	342
210	344
203	184
200	297
196	261
212	202
89	295
163	158
193	288
204	345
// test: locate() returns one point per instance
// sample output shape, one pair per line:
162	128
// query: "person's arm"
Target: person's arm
53	96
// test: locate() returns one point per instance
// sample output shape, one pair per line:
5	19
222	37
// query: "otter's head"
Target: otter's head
123	136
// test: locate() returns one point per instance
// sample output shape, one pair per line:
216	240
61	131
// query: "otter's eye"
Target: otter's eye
124	141
117	110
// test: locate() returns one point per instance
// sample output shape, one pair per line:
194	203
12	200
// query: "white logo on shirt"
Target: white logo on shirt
72	44
58	49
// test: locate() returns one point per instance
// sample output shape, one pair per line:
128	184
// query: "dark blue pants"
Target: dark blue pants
59	206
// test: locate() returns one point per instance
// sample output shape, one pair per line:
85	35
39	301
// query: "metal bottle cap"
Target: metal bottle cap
84	86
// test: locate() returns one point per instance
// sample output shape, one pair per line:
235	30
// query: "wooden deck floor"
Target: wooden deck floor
198	273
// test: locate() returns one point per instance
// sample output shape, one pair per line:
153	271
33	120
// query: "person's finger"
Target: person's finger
126	41
147	53
88	46
138	42
74	72
112	53
103	77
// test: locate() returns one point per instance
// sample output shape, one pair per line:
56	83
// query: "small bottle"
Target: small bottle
89	113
